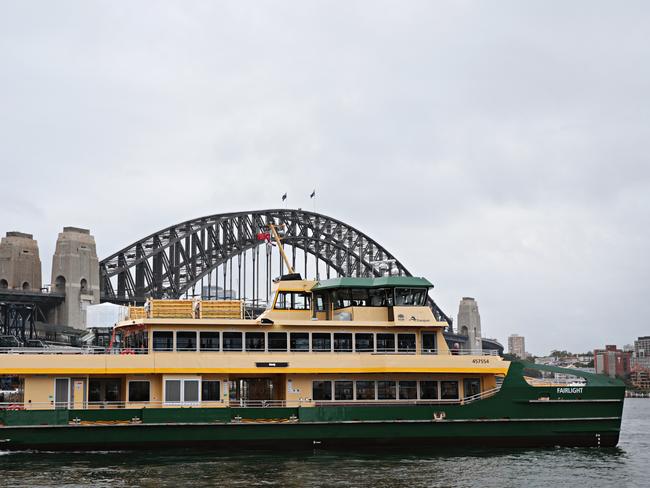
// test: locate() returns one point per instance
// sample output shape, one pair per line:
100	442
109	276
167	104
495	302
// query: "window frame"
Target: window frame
223	340
331	390
182	401
291	348
384	349
217	332
286	341
356	391
245	344
372	340
196	340
153	340
334	349
219	390
457	397
128	391
406	351
334	391
331	342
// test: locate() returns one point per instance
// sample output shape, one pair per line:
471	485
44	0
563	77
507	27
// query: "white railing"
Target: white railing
462	352
131	350
577	381
243	403
71	350
482	395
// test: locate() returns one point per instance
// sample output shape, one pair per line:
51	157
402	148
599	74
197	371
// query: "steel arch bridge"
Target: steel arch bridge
173	262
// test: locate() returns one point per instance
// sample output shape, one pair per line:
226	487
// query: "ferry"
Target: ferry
337	363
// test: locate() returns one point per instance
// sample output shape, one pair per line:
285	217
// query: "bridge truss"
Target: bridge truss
228	256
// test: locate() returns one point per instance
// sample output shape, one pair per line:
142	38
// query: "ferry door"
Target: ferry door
62	393
78	399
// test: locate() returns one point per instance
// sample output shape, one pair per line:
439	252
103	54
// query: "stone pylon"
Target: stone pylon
469	323
20	264
75	272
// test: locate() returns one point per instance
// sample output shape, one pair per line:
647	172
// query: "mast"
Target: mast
281	248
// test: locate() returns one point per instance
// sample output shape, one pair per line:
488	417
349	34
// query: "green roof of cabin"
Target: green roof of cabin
384	281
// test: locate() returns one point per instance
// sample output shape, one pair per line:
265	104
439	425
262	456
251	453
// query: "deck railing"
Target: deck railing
244	403
539	382
130	350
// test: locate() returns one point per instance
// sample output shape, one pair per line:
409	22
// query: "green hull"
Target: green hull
518	415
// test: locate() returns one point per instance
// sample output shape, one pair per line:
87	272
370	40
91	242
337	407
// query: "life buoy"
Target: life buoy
127	351
15	406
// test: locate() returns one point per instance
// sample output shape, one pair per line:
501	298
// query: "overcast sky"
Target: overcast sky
498	148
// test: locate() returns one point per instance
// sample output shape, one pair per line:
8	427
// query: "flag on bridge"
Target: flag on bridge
313	194
284	197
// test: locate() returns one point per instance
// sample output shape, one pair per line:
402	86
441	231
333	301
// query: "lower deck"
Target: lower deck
45	392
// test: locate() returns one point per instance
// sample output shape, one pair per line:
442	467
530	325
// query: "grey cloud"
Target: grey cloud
499	149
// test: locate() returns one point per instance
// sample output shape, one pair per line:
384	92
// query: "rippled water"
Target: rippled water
625	466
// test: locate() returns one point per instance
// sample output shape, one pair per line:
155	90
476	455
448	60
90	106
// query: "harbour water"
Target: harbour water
627	465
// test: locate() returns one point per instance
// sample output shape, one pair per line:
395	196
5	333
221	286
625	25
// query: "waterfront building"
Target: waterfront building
469	323
20	265
517	346
75	272
612	361
642	352
640	379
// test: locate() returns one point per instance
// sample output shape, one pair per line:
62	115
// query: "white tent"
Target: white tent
105	315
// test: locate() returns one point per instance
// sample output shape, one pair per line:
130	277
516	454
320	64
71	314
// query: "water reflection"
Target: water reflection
622	466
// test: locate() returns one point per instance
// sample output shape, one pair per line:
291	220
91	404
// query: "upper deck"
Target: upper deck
351	324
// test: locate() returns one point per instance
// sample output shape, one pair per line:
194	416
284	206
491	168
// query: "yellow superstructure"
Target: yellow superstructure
345	340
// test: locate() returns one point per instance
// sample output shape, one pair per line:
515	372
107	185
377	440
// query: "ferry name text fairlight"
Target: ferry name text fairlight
569	390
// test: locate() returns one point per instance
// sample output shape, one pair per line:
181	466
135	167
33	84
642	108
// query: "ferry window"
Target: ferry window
186	341
209	341
343	342
190	391
321	341
364	342
289	300
210	391
182	391
343	390
322	390
104	390
380	297
172	391
342	299
386	390
359	298
449	390
319	303
410	296
365	390
163	340
406	342
428	390
138	391
299	341
408	390
254	341
136	341
471	387
385	342
232	341
277	341
429	342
